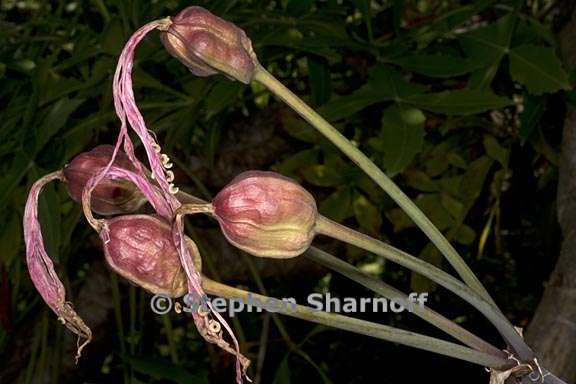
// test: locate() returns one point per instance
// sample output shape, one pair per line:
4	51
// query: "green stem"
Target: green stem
390	292
379	331
330	228
373	284
170	337
262	76
119	322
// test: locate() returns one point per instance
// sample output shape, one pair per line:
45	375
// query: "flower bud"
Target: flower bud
110	196
266	214
207	45
141	249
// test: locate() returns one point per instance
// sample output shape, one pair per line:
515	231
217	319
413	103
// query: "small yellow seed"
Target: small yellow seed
169	176
173	189
156	147
214	326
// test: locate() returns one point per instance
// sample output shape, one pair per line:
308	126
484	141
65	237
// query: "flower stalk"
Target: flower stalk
265	78
381	288
366	328
330	228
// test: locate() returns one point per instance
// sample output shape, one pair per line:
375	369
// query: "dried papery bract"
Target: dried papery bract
160	165
149	253
207	45
41	268
264	214
112	197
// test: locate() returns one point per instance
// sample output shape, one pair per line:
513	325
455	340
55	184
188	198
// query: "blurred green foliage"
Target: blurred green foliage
443	95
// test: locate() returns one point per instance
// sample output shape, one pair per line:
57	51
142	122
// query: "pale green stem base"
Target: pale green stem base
330	228
364	327
193	204
390	292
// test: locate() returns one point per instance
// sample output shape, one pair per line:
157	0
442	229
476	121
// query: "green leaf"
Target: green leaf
298	128
460	102
495	150
384	83
533	110
452	206
401	137
465	235
473	180
320	81
437	65
420	181
367	215
221	96
419	283
538	69
10	238
163	370
283	373
488	46
112	38
322	175
55	120
297	161
431	205
337	206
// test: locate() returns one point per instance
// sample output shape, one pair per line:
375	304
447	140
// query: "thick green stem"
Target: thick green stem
268	80
390	292
492	313
364	327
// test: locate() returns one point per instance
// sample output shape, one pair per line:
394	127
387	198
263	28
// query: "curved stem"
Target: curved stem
340	232
381	288
364	327
390	292
268	80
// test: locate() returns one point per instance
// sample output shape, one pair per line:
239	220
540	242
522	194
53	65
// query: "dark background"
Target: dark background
483	79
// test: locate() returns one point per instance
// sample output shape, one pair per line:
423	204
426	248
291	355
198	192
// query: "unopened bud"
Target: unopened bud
110	196
140	248
207	45
266	214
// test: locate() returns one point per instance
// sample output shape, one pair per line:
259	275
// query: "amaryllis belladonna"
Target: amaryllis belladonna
156	186
160	165
207	45
141	250
266	214
112	197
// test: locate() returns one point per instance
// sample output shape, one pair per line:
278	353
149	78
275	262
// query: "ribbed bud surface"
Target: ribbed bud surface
141	250
110	196
266	214
207	45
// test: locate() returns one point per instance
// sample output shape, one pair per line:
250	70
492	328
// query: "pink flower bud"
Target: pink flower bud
207	45
266	214
110	196
141	249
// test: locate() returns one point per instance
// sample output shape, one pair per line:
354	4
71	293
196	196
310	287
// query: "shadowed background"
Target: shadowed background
462	102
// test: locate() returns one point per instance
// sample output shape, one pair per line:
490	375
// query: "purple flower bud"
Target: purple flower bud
207	45
141	249
266	214
110	196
